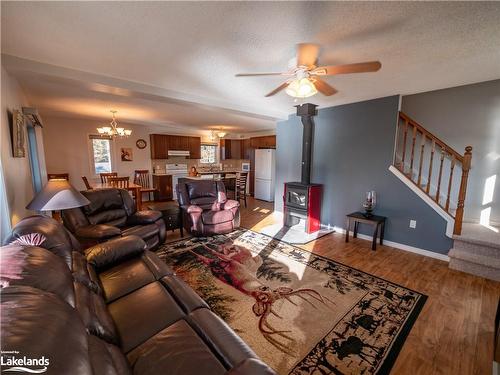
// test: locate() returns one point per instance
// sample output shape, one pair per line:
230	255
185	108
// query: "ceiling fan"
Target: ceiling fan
305	78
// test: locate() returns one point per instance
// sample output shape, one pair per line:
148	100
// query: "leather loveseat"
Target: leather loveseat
112	213
205	207
114	308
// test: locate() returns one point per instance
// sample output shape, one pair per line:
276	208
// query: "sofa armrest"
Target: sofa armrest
144	217
192	209
114	251
230	204
251	366
98	232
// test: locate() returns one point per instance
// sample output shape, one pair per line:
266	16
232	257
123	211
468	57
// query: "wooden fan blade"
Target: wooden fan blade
260	74
369	66
278	89
324	87
307	54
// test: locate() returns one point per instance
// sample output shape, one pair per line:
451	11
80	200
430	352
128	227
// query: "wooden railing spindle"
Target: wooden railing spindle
440	175
404	146
422	146
433	147
414	138
452	166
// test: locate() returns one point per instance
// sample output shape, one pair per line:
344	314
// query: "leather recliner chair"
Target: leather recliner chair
112	213
205	207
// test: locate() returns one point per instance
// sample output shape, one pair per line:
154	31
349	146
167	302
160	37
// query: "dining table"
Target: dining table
134	188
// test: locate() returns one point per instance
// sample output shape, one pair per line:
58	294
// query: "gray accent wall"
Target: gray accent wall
463	116
352	151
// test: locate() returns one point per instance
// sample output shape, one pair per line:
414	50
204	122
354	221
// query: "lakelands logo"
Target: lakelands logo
12	361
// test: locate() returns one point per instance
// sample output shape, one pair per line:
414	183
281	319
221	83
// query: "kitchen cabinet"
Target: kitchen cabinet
161	143
163	186
263	142
246	149
231	149
158	146
194	146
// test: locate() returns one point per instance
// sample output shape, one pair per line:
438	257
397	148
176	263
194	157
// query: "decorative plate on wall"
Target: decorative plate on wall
141	143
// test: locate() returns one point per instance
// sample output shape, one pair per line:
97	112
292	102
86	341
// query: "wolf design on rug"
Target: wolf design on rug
300	312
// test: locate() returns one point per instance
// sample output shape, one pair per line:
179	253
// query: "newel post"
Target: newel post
463	190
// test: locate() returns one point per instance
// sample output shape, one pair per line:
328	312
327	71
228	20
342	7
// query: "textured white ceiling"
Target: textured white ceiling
178	59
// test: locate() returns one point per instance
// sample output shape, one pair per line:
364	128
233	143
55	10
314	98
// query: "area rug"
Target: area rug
301	313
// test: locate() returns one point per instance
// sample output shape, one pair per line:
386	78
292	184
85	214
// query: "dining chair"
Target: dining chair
86	182
241	187
106	176
119	182
141	177
58	176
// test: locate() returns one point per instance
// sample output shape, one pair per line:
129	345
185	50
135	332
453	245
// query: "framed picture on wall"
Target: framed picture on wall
126	153
18	135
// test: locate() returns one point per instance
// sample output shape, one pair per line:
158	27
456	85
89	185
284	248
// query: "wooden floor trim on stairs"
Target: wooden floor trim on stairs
450	222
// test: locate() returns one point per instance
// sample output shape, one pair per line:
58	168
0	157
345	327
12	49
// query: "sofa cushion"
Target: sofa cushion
177	348
116	217
95	315
216	217
144	217
38	324
106	358
142	313
57	238
202	189
102	200
36	267
143	231
132	275
98	232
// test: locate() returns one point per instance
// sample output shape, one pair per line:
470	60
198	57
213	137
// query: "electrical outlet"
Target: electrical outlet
413	224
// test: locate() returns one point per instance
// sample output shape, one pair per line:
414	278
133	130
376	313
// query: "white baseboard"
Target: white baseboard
400	246
450	222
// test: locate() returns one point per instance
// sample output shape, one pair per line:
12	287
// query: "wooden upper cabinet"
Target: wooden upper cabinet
263	142
161	143
194	146
158	146
245	148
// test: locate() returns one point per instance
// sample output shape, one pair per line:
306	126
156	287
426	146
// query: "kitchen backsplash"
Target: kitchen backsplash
232	164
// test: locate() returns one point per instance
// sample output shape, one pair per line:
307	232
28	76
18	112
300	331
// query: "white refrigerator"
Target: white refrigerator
264	174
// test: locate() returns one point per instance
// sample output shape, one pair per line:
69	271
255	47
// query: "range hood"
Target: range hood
178	153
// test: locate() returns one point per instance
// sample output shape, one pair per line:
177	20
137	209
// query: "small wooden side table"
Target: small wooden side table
172	214
376	221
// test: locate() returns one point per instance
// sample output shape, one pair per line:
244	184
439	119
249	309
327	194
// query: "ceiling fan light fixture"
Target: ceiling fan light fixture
301	88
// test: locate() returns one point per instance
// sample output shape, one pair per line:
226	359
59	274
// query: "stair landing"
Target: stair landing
477	251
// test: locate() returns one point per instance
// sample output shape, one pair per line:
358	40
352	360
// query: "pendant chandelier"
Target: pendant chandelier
113	130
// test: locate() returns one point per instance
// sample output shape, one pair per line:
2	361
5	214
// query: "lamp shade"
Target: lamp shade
56	195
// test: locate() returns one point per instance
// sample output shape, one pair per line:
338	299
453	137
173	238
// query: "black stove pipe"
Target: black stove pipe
307	111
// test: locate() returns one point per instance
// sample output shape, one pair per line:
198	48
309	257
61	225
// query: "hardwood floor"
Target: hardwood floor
454	332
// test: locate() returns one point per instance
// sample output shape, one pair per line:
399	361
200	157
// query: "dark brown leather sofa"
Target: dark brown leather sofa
114	308
205	207
112	213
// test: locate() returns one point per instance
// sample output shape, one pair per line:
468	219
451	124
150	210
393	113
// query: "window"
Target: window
208	154
100	153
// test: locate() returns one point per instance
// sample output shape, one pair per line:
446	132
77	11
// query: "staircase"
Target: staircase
439	174
438	171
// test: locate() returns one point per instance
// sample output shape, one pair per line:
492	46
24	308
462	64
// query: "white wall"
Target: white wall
66	148
16	171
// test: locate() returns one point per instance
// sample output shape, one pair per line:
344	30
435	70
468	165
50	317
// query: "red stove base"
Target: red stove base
302	202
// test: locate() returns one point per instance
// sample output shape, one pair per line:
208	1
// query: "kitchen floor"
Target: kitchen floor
454	332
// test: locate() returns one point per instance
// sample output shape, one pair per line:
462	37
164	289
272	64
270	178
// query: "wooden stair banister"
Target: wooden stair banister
415	130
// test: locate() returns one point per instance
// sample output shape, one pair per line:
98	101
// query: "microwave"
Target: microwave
245	167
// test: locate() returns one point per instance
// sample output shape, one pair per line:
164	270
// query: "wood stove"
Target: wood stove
302	200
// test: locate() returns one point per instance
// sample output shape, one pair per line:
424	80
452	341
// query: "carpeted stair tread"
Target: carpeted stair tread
475	258
479	235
